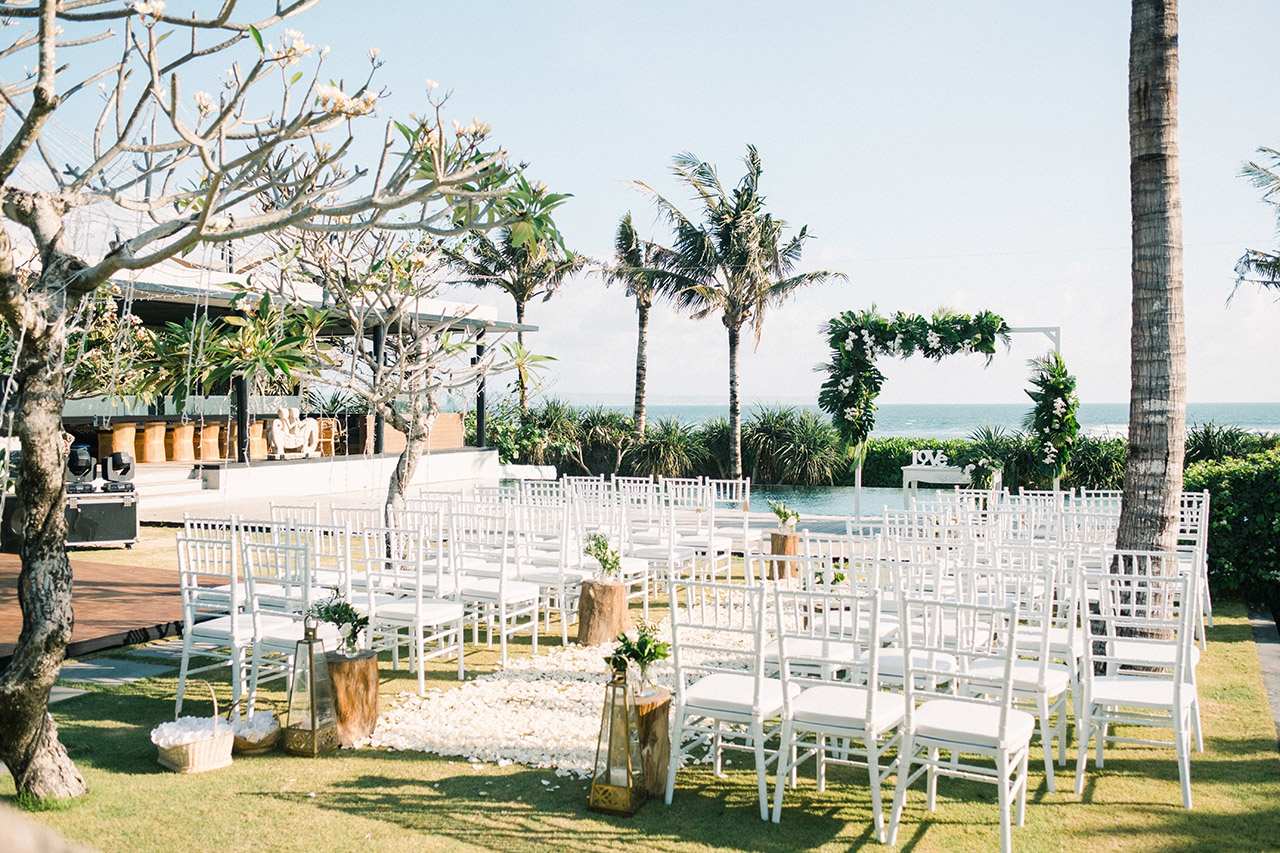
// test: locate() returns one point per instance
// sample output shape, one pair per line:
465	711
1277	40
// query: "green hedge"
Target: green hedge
1244	524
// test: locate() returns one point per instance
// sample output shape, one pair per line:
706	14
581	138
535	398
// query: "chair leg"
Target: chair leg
762	768
1021	817
872	744
1046	740
786	766
1183	738
182	672
931	777
900	787
459	630
1084	733
1002	781
677	739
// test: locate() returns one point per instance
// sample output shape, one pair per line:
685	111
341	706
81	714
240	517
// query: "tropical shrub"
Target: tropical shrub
1096	463
1244	524
765	439
715	444
669	448
1214	442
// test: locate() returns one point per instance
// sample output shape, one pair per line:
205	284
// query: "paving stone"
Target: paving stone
167	650
58	693
109	671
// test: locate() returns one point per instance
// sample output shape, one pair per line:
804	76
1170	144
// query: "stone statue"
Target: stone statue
291	432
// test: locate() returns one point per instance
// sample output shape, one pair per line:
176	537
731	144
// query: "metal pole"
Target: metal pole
379	343
242	418
480	413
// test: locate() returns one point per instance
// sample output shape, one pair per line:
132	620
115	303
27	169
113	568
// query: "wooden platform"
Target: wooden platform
114	606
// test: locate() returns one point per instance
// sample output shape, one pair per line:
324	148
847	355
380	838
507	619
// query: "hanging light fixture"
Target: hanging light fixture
618	786
313	719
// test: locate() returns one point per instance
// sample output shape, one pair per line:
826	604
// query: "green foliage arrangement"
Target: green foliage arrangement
1052	420
336	610
787	517
857	338
1244	524
644	651
605	554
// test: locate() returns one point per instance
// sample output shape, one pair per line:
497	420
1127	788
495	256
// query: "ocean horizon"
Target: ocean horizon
959	420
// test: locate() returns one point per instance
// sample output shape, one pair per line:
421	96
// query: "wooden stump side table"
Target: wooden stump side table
355	694
653	714
602	612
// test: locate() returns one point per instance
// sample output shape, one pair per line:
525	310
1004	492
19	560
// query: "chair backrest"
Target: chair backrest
717	627
495	494
208	578
219	532
331	560
543	531
1140	618
968	637
1087	524
551	492
827	635
480	535
404	562
731	494
686	493
278	577
358	517
296	513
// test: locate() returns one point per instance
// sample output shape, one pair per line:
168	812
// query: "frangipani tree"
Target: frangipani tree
176	163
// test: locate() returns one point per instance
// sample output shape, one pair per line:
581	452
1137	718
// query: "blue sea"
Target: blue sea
958	420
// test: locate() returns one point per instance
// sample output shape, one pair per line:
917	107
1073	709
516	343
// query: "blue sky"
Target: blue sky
971	155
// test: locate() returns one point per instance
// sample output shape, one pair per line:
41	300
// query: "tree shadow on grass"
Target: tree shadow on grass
516	810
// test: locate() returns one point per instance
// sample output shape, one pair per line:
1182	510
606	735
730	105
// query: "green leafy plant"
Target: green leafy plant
336	610
644	651
787	517
605	554
1052	420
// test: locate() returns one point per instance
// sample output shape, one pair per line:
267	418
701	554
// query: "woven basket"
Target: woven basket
198	756
245	746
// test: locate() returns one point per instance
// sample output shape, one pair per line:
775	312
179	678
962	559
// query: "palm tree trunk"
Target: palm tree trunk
520	383
1157	402
735	406
642	359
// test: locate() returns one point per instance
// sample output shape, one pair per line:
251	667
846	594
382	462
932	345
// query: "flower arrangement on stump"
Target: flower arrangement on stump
1052	421
606	555
787	517
644	650
351	624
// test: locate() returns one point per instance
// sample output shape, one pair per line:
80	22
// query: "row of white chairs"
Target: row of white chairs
943	672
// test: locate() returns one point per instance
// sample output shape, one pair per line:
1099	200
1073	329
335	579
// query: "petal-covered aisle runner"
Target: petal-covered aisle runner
541	711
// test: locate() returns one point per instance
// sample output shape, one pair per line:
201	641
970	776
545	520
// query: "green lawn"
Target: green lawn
370	800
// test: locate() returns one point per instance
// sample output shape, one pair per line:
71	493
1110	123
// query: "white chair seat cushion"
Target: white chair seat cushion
219	629
572	577
679	553
845	707
959	722
891	660
1060	641
1026	675
813	652
732	693
704	542
1136	691
290	632
491	589
435	611
1156	654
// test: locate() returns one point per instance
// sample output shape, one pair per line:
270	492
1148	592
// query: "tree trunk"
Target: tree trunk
1157	403
417	431
735	407
520	371
642	360
29	744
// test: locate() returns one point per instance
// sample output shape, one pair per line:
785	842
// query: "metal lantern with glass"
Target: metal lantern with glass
618	786
313	719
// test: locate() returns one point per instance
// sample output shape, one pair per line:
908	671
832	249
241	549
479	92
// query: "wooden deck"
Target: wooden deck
114	606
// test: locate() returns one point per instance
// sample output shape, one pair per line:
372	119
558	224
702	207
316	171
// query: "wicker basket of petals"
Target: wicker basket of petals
258	732
194	744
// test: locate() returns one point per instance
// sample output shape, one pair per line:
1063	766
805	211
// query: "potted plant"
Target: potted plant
602	607
352	672
644	651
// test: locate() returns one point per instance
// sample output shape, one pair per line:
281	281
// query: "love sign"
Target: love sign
929	457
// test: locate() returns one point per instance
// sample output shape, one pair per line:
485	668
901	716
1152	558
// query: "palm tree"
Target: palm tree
636	267
1262	268
525	270
1158	381
734	263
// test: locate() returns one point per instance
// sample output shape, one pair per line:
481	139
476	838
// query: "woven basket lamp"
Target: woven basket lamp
618	786
313	719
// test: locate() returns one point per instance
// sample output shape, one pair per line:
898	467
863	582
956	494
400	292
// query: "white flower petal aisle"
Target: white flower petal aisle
540	711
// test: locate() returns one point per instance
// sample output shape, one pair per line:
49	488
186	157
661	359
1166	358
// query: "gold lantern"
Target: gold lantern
618	785
313	719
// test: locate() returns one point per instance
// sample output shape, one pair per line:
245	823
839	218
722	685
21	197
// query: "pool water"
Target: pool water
825	500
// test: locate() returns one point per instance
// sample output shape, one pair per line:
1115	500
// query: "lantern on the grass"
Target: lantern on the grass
618	785
313	719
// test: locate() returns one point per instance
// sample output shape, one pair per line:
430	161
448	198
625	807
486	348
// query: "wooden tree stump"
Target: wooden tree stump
652	715
602	612
783	544
355	694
